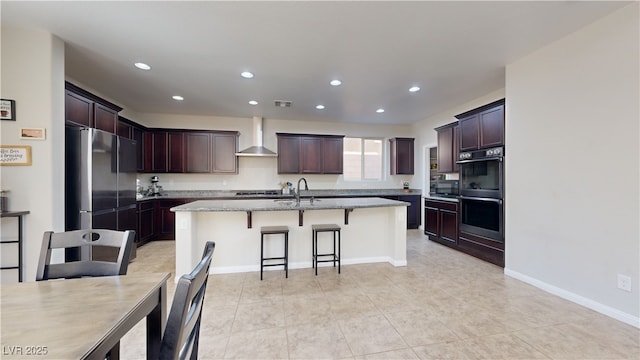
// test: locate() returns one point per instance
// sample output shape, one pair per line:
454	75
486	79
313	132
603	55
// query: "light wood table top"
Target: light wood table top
80	318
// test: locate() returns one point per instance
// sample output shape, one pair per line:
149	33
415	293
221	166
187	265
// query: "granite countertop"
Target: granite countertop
286	204
222	194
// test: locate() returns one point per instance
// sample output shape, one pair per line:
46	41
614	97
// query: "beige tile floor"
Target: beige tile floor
443	305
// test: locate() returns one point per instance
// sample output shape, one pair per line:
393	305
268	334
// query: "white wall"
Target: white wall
572	166
261	173
33	75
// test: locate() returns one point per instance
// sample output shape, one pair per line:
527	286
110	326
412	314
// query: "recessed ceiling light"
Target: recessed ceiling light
320	107
414	88
177	97
142	66
336	82
380	111
246	75
253	102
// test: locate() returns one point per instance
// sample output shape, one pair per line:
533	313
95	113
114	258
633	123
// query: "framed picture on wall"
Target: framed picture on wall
7	109
15	155
32	133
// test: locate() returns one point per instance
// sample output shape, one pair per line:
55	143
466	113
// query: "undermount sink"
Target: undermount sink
293	201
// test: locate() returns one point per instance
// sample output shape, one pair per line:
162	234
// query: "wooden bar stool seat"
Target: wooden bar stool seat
327	257
267	261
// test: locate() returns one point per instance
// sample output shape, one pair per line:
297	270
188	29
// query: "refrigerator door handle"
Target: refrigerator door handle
86	164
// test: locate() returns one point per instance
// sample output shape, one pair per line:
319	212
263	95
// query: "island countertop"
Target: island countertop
287	204
275	194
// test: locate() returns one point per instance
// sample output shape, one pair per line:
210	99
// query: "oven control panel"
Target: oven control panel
482	154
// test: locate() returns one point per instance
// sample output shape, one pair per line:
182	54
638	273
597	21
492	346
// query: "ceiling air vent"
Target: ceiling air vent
282	103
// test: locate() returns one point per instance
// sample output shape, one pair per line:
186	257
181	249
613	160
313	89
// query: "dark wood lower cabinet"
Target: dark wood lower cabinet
441	221
146	221
413	211
431	215
127	221
441	224
482	248
167	219
449	225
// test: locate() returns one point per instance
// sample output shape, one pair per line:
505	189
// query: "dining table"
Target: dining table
82	318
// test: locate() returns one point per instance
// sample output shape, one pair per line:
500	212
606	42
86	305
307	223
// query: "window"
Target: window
362	159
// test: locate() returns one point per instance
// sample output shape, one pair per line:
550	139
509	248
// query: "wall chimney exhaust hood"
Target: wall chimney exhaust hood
257	149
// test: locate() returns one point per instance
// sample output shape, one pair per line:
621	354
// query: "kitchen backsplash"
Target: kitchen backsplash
261	173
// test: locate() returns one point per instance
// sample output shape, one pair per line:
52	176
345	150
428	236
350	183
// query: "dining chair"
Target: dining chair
84	239
182	331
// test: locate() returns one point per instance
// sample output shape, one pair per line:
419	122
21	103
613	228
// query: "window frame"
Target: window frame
362	159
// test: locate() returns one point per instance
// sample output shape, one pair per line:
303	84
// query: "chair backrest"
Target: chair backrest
182	332
88	238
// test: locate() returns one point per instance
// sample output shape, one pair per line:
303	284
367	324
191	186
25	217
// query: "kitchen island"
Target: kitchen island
373	230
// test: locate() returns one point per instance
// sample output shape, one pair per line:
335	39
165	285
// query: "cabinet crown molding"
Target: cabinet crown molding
481	108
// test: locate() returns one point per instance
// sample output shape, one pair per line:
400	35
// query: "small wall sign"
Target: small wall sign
15	155
7	109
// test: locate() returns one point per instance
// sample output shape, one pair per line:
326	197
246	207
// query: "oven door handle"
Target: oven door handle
499	158
499	201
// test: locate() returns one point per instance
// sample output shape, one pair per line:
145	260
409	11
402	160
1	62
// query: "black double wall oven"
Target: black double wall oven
481	193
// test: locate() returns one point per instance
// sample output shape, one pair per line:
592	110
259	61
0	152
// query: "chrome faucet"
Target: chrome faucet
306	188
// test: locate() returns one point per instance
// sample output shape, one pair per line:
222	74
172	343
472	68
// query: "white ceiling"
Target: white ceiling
455	51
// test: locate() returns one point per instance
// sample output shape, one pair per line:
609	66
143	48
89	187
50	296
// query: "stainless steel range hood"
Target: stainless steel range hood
257	149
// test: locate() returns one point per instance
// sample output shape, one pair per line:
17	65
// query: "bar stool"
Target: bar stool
274	230
335	255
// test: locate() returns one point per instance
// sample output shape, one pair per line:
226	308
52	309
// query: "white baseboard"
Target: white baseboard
580	300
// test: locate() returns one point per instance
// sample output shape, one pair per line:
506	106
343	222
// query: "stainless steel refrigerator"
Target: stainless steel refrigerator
100	180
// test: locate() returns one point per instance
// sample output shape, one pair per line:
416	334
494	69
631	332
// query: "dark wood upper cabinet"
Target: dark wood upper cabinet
225	146
482	127
401	156
78	109
448	148
105	118
469	133
155	151
492	127
138	136
333	153
132	130
175	152
197	152
288	154
310	154
83	108
124	129
158	150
